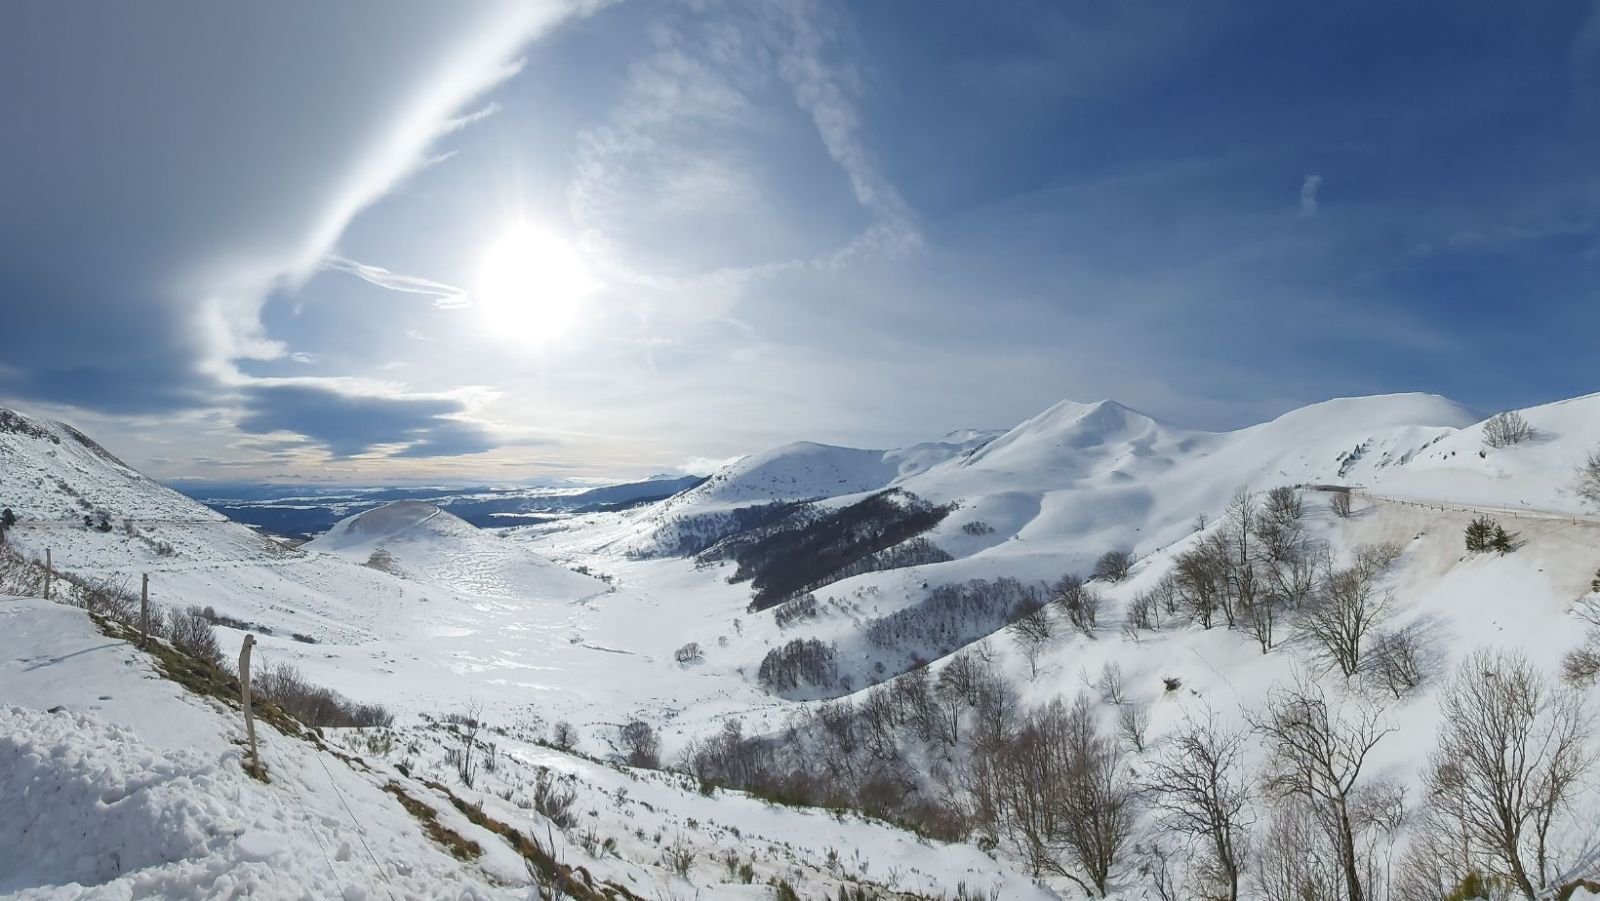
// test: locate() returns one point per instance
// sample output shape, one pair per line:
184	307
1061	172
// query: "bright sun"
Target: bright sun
531	284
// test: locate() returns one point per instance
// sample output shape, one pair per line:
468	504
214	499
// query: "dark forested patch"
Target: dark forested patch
862	537
954	615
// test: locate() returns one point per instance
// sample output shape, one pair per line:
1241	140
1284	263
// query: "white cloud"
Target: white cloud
1308	195
666	152
444	296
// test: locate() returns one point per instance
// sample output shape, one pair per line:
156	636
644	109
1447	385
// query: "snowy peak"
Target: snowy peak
806	470
799	471
1053	437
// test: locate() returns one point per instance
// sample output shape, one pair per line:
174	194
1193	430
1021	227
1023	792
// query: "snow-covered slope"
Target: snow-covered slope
418	539
52	471
118	783
1538	473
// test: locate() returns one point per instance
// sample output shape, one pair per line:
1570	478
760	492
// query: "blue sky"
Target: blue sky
254	242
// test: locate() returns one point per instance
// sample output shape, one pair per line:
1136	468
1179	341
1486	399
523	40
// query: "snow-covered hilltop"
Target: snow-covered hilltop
421	540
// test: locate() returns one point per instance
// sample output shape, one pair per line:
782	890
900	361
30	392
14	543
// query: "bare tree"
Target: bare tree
1344	611
1113	566
1589	477
1316	756
1293	860
1340	503
1057	792
1506	429
1110	684
1240	582
1144	612
1284	504
1201	579
1259	618
1080	603
641	744
563	737
1133	724
1510	759
1198	789
1396	662
1033	632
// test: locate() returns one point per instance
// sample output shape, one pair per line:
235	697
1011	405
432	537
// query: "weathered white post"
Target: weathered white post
144	611
249	715
47	573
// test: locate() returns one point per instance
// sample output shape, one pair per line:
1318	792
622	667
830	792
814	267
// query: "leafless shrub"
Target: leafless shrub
1510	760
555	800
689	653
1506	429
1113	566
190	632
1373	559
1340	504
110	599
679	857
1199	790
313	704
1155	868
464	756
1580	666
1396	662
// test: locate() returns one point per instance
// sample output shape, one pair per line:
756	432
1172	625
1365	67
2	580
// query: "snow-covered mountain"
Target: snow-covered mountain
806	471
1080	479
412	607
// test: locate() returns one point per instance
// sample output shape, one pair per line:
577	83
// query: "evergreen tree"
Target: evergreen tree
1480	534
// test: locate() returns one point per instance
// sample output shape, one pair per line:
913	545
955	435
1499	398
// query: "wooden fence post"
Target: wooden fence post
144	610
47	572
249	716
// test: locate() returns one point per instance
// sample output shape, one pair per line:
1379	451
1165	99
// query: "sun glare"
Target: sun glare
531	284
